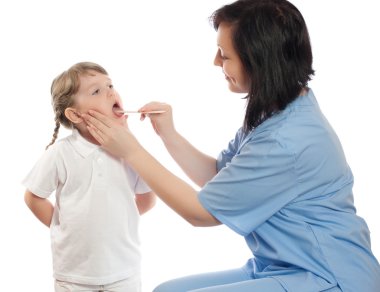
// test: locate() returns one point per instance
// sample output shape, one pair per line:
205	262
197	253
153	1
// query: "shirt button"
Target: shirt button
100	161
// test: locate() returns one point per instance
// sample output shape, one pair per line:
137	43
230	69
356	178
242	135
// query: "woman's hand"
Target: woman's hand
115	138
119	141
199	167
162	123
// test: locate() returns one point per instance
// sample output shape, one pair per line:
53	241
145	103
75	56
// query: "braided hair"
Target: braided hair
63	90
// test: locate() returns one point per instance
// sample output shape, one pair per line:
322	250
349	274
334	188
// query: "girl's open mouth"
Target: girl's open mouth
117	110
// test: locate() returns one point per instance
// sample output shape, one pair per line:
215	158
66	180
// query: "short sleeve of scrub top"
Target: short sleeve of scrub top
255	180
287	188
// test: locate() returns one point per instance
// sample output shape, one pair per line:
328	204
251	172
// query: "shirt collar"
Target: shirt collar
81	145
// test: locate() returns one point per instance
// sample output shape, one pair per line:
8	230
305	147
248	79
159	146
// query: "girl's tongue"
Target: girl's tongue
117	110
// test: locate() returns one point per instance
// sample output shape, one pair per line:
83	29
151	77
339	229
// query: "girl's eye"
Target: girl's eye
110	86
96	92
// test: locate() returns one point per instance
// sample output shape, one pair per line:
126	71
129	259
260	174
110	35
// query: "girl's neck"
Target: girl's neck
86	134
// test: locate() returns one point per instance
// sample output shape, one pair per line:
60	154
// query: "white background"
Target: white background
163	50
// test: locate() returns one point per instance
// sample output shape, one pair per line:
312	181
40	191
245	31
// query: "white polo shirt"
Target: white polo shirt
94	230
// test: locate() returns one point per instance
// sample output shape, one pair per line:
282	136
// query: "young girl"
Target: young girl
94	222
283	182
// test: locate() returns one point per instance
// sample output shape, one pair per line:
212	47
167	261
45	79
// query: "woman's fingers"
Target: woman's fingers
97	121
95	133
100	117
154	106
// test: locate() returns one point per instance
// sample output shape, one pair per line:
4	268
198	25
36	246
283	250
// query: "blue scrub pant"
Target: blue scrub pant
225	281
228	281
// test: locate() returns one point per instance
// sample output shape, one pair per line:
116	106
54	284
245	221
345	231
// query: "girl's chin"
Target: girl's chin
121	120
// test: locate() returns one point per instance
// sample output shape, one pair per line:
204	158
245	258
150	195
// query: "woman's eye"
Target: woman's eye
96	92
110	86
221	55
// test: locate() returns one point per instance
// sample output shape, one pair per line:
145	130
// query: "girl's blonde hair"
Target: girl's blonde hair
63	90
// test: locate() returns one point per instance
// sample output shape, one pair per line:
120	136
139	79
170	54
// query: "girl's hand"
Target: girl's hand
162	123
113	137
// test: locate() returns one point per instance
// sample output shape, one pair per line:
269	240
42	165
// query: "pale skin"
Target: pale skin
201	168
176	193
41	208
95	92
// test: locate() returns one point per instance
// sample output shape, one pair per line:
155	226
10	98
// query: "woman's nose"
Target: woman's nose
218	60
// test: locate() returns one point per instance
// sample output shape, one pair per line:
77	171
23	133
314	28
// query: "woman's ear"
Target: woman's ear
73	115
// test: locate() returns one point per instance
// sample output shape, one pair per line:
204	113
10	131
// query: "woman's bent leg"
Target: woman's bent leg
192	282
253	285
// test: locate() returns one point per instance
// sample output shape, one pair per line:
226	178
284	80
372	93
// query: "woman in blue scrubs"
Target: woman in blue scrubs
283	182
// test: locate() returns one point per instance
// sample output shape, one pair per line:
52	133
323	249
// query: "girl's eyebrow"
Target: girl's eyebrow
91	85
97	82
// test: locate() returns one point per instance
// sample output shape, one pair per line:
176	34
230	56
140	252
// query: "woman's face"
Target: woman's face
228	59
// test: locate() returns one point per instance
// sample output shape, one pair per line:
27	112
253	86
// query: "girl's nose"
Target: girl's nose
111	92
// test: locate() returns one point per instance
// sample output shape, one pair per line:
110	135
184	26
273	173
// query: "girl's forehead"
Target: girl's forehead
90	74
93	77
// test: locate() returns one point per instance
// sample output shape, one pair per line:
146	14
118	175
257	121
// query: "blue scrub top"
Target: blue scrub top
287	188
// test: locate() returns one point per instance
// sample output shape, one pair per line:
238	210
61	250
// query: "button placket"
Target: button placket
99	169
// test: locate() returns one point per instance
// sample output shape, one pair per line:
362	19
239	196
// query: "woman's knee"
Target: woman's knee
165	287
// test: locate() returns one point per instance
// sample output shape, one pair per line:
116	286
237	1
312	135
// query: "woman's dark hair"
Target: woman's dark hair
272	40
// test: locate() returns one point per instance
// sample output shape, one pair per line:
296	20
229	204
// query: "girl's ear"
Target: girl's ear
73	115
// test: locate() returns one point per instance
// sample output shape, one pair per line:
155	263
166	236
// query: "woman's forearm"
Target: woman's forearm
199	167
176	193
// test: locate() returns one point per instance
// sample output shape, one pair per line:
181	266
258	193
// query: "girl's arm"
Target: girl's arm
199	167
42	208
176	193
145	202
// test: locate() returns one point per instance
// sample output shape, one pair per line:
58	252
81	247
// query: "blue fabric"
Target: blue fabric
287	188
236	280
